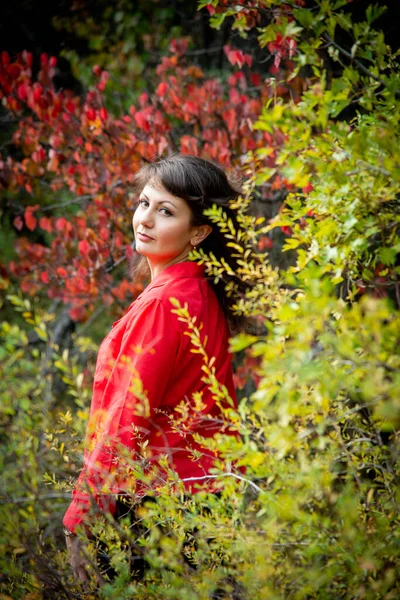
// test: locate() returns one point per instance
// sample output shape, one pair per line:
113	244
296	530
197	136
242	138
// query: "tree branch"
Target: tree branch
359	64
50	496
234	475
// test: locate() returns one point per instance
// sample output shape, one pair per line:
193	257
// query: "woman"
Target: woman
146	366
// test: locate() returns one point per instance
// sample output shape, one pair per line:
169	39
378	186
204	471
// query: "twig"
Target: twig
357	62
397	290
373	167
77	200
203	51
234	475
50	496
115	264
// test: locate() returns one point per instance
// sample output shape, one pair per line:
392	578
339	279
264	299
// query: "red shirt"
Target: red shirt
150	343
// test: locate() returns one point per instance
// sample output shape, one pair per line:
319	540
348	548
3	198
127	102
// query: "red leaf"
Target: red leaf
255	79
61	223
287	230
96	70
22	92
292	47
189	145
30	219
90	113
265	243
227	50
39	155
37	92
237	57
307	189
44	276
18	223
14	70
162	89
230	118
43	103
70	106
232	80
104	233
61	272
190	108
143	99
178	46
103	114
142	121
28	58
53	61
83	247
77	313
45	224
162	145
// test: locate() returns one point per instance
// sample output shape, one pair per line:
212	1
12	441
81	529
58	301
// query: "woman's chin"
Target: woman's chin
142	249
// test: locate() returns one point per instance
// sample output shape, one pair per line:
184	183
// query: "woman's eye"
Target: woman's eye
142	202
166	212
145	203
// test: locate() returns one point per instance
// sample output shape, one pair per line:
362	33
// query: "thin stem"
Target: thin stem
234	475
357	62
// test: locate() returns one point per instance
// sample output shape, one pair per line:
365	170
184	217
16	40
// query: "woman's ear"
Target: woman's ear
200	233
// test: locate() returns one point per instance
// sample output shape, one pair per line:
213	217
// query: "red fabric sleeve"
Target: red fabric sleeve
119	417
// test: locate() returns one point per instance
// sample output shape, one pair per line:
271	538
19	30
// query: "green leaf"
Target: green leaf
304	16
242	341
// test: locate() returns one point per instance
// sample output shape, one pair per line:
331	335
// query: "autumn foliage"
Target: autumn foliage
72	150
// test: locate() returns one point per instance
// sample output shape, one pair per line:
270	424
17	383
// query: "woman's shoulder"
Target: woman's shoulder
185	283
183	290
180	281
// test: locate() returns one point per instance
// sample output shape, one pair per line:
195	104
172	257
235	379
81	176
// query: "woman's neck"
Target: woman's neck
156	267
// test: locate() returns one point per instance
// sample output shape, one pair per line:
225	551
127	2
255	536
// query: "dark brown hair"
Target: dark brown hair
201	183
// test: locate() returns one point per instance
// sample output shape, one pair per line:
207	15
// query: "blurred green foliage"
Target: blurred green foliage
127	39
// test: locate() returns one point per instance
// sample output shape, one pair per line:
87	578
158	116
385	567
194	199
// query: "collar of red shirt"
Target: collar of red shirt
180	270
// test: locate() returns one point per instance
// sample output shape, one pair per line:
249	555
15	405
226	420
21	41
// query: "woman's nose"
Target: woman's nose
146	218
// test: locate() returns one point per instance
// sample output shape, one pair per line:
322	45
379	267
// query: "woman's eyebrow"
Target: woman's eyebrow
159	201
167	202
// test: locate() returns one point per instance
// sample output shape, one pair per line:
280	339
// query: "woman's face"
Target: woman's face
162	227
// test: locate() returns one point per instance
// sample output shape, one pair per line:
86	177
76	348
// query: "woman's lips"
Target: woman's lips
143	237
